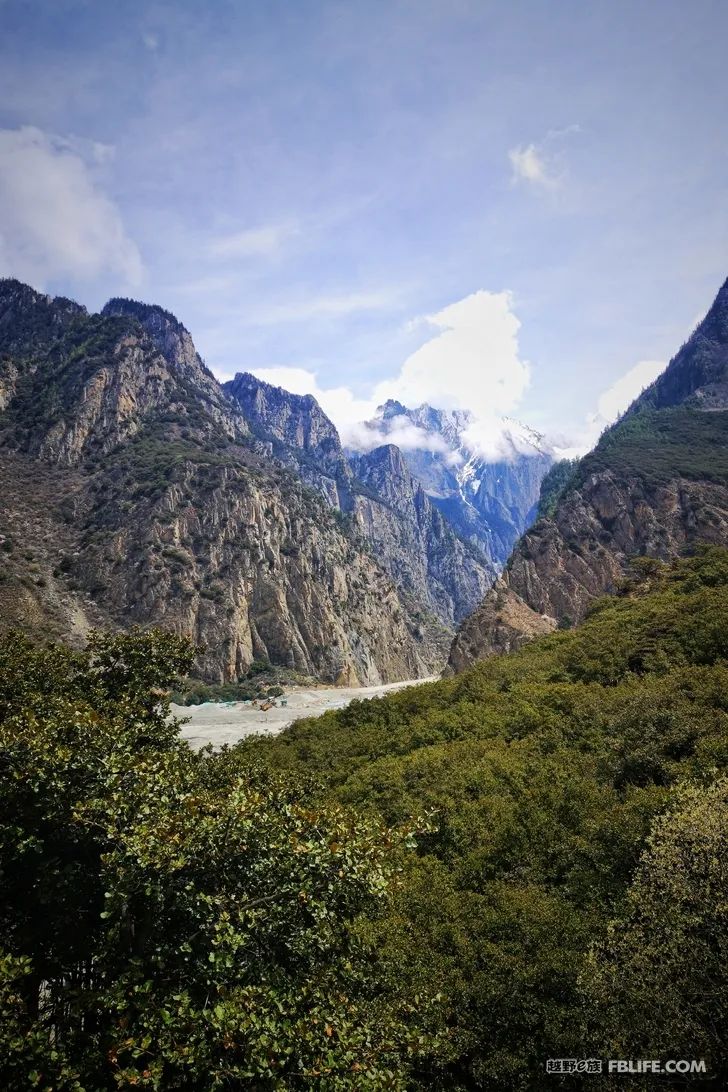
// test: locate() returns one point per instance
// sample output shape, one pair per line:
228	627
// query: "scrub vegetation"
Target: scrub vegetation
439	889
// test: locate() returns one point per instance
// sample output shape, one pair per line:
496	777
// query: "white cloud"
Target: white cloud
410	437
322	306
54	219
540	164
617	398
339	403
252	242
351	415
472	363
528	165
497	439
611	403
401	432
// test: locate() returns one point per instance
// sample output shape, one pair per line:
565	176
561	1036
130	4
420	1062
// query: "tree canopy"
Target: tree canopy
264	918
173	920
545	771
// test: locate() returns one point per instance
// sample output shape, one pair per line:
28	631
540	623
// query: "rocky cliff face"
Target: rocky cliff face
488	503
295	430
385	505
656	485
413	539
134	491
73	385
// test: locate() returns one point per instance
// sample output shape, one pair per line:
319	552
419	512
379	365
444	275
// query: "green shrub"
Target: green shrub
544	771
175	920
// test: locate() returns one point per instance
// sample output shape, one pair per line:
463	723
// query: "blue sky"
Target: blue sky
502	205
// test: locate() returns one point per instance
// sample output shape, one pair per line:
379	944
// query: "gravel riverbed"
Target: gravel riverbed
227	722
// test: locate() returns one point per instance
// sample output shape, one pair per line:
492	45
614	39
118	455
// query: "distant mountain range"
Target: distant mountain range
655	486
489	502
137	489
385	504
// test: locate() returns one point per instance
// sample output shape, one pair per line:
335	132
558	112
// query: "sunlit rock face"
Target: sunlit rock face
386	507
135	491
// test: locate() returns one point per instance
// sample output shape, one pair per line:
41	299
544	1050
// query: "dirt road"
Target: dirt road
218	723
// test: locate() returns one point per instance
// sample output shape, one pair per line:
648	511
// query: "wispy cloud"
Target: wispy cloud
212	284
611	403
539	164
254	242
617	398
323	306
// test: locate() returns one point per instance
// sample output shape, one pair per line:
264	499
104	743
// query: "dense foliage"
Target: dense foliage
659	975
555	482
546	770
659	446
173	920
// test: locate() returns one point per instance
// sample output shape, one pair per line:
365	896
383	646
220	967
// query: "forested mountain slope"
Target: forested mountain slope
542	774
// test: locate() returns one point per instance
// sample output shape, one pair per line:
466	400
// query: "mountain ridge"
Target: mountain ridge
165	509
488	501
655	485
376	491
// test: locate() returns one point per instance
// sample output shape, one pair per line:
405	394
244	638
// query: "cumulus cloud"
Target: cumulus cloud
472	362
472	366
54	219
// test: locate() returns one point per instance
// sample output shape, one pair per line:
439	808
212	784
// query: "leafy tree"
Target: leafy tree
556	481
657	982
173	920
545	771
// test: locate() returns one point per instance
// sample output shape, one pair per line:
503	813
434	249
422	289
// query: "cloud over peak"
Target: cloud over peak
472	362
